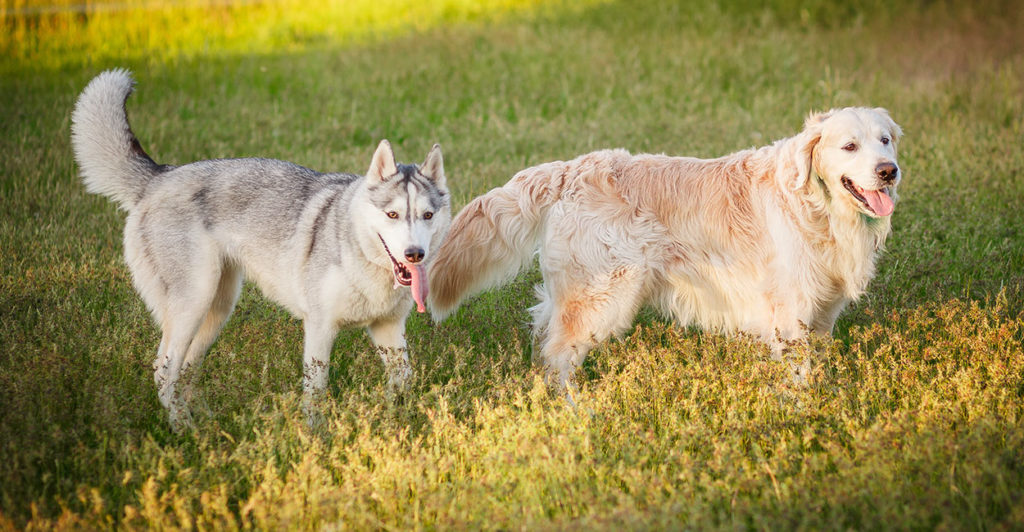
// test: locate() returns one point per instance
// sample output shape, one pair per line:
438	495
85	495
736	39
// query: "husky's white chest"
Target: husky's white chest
355	298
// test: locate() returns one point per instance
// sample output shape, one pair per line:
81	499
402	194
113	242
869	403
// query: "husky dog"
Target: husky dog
770	241
331	248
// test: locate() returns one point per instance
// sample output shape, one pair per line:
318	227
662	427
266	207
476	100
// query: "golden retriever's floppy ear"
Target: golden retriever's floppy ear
803	154
894	129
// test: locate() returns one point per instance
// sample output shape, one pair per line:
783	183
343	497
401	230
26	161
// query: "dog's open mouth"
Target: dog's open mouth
411	275
402	274
878	202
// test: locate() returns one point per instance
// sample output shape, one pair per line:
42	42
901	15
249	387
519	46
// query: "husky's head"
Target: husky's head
411	212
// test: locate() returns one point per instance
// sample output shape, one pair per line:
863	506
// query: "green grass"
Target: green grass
914	418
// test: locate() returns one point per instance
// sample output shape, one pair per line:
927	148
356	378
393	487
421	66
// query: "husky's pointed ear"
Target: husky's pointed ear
433	166
382	166
803	153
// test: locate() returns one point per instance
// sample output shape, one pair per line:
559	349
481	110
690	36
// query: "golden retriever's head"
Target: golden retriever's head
852	151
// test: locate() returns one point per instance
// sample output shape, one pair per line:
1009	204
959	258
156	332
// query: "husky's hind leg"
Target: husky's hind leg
582	313
188	304
228	289
389	336
179	287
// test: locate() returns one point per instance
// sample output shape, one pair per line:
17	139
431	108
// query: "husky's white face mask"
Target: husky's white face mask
411	205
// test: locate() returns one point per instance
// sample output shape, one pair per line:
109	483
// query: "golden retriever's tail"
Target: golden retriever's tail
493	237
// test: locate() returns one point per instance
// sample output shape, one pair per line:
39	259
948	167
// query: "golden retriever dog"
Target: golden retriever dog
773	241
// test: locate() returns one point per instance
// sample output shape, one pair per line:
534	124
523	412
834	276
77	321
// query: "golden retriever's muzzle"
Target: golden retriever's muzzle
887	172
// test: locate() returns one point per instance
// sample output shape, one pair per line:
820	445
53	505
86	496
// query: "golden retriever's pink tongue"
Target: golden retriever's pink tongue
879	201
419	286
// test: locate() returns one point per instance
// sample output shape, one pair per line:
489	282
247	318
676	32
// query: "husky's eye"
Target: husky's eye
885	140
428	215
392	214
850	147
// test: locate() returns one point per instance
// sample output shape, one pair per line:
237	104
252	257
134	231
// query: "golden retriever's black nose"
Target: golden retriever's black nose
414	255
887	172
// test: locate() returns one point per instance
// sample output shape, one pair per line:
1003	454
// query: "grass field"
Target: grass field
914	418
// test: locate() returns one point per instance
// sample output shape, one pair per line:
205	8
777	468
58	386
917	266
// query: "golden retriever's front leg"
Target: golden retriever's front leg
793	349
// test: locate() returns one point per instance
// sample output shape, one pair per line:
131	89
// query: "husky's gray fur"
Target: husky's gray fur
331	248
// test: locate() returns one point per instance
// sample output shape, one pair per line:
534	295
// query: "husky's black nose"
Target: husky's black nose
887	172
414	255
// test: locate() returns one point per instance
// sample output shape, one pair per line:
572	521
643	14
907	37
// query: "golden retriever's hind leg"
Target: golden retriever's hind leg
578	317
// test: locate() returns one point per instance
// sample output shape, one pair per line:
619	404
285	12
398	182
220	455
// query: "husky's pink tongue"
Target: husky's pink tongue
879	201
419	286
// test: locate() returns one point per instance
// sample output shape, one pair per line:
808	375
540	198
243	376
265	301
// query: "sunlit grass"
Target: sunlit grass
920	429
71	31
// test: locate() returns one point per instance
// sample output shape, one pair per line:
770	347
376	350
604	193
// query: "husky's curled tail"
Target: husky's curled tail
111	160
494	237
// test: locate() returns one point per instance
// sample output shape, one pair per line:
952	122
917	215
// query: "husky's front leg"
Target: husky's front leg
316	361
388	335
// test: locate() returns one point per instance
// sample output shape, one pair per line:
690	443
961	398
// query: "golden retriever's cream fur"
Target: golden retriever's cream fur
772	241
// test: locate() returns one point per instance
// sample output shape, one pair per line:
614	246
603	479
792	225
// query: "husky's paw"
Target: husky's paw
312	409
195	401
399	376
396	367
180	417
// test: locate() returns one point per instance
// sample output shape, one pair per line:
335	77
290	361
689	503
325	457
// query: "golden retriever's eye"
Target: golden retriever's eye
428	215
885	140
392	214
850	147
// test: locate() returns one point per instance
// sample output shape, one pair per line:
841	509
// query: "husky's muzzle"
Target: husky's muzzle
402	274
411	275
